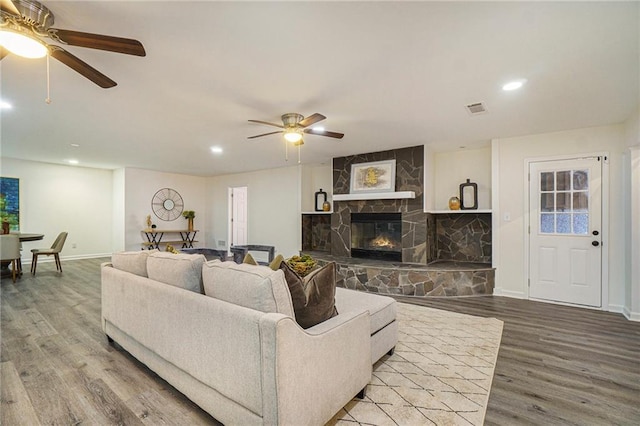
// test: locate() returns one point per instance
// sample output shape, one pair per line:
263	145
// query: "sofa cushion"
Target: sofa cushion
134	262
180	270
382	309
314	295
252	286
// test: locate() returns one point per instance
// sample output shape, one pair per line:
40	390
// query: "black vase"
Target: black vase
321	198
469	203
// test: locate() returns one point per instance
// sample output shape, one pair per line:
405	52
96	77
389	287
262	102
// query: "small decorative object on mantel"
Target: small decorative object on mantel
189	215
469	195
326	206
321	198
454	203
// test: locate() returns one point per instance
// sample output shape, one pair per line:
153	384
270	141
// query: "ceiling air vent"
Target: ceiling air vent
476	108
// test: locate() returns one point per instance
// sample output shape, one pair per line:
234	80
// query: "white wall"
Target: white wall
141	185
455	167
273	208
314	178
56	198
508	161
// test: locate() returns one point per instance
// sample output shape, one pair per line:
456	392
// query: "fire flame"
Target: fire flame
382	241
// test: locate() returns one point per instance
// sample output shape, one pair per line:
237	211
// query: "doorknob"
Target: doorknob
595	243
595	233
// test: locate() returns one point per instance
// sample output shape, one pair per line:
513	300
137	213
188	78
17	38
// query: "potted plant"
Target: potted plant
189	215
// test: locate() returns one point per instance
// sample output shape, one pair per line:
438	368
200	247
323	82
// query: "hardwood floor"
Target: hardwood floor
557	365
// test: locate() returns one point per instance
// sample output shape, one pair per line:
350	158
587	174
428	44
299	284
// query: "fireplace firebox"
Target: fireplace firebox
376	236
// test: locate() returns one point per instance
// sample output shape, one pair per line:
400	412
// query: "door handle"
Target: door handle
595	233
595	243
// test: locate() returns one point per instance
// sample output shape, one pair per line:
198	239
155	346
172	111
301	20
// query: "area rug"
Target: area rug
440	373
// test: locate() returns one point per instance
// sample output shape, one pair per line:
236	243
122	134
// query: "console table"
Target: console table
155	238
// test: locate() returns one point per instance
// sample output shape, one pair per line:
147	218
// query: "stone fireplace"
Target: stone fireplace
418	237
376	236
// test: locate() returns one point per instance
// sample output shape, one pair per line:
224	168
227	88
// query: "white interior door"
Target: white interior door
238	216
565	200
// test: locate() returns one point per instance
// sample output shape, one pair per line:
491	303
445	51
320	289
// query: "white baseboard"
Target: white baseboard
508	293
45	259
631	316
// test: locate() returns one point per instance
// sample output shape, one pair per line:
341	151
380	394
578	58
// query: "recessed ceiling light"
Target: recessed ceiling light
72	161
216	150
5	105
513	85
75	145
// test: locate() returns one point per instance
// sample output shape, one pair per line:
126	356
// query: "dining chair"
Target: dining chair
10	250
54	251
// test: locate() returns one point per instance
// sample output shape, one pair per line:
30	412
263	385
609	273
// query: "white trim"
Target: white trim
50	259
458	211
604	273
229	216
631	316
509	293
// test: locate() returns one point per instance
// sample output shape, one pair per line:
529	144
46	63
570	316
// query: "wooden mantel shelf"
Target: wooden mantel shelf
374	196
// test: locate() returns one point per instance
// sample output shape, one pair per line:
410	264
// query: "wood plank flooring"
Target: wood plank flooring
557	365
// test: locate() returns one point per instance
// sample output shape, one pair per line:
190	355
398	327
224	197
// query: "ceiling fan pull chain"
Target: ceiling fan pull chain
286	151
48	99
299	153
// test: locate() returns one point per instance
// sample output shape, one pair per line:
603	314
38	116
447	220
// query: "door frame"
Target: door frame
230	215
604	279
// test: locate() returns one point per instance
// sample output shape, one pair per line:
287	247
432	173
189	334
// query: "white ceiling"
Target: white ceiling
387	74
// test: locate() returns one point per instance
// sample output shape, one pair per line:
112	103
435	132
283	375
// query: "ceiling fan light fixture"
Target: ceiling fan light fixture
292	135
22	45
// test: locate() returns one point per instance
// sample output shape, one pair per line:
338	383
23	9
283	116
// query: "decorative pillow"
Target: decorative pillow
181	270
249	260
134	262
251	286
275	263
314	296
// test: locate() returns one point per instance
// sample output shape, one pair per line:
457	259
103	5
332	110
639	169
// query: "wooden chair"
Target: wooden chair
10	250
54	251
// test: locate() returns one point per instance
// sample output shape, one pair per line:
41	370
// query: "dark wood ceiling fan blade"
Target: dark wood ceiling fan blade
81	67
267	123
312	119
264	134
98	41
324	133
8	6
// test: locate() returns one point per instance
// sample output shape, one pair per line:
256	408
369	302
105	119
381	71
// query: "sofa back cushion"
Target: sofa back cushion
252	286
134	262
180	270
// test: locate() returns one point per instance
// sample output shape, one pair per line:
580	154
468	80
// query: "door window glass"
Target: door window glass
564	202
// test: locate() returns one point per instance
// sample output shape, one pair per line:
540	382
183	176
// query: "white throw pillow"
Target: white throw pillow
134	262
180	270
255	287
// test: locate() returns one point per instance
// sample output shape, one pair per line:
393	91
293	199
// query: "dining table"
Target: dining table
23	237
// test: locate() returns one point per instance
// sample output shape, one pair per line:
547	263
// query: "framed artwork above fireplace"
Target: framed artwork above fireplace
376	176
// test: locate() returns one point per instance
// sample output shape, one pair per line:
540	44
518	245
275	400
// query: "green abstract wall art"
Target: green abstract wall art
10	202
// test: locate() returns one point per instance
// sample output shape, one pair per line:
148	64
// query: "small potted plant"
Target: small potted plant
302	265
189	215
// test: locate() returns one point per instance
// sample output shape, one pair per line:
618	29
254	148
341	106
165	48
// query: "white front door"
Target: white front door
565	200
238	217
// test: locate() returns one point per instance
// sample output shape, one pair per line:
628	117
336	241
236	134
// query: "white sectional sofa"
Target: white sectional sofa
244	360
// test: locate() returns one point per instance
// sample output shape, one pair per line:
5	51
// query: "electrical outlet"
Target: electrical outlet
221	243
74	245
507	217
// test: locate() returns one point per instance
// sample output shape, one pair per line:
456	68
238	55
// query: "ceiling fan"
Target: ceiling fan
25	23
294	125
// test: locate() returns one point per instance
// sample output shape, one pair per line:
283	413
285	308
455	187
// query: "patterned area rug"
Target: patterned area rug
440	373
